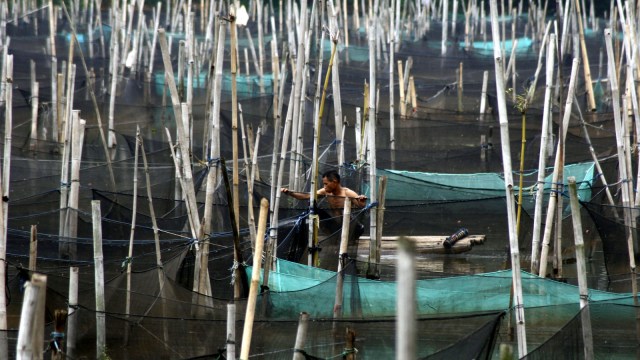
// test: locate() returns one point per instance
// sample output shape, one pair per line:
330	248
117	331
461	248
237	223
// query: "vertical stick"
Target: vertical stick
5	206
483	97
132	232
231	331
33	248
445	19
506	163
582	269
551	210
301	337
29	344
460	87
255	281
372	271
98	258
34	116
591	101
343	257
542	158
72	317
623	171
406	333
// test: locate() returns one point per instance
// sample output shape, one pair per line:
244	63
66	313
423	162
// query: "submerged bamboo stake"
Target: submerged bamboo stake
506	162
301	337
343	257
98	258
582	270
406	330
255	280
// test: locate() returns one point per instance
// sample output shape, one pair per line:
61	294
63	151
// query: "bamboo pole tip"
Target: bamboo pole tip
407	245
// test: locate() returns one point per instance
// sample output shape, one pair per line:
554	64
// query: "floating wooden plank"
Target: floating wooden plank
426	244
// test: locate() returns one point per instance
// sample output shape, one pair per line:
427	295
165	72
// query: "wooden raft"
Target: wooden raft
425	244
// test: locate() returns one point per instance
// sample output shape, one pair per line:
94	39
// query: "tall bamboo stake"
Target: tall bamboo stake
508	179
64	173
132	231
372	269
201	281
71	222
33	248
313	217
556	182
582	269
255	280
343	257
542	158
234	115
5	205
98	258
623	171
591	101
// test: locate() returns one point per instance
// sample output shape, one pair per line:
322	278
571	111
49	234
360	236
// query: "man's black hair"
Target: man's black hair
331	175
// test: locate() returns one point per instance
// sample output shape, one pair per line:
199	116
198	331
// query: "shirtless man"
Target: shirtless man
334	192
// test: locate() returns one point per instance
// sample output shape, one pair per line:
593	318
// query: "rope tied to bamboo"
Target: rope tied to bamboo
127	260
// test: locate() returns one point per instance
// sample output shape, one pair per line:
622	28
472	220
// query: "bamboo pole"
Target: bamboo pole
483	97
582	269
64	173
54	100
234	115
372	271
132	231
506	162
255	281
585	59
445	25
623	171
301	336
555	186
4	208
98	258
93	100
33	248
406	330
29	344
343	257
72	318
542	158
71	222
33	136
313	217
392	115
231	331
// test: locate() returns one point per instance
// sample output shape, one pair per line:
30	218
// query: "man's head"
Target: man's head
330	181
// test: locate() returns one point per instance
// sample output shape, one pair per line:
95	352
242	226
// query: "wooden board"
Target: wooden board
425	244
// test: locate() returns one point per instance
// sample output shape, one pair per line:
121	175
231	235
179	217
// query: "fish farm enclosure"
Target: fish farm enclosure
169	181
